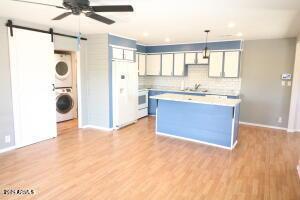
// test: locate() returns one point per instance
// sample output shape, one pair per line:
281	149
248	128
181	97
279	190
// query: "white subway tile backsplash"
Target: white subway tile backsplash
196	75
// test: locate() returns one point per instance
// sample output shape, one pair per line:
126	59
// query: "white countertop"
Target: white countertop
211	100
209	91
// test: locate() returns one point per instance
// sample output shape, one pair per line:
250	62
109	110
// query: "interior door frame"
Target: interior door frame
78	87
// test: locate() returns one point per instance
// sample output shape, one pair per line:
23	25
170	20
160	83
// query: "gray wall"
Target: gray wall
263	97
95	82
66	44
6	109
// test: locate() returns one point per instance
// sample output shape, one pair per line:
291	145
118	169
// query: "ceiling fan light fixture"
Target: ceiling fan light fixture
76	7
206	51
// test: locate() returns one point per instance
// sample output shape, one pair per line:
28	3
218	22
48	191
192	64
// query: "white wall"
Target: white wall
95	82
294	116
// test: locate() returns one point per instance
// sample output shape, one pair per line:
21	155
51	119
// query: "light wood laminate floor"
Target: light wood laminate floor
134	163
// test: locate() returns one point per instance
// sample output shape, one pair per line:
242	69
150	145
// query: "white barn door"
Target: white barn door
32	76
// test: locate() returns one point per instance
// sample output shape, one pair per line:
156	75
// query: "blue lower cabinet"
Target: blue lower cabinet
152	103
233	97
213	124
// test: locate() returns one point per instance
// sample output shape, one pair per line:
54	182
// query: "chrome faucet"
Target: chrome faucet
197	86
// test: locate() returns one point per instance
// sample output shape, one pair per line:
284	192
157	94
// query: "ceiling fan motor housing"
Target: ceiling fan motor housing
77	6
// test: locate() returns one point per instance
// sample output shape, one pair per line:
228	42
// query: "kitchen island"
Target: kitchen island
204	119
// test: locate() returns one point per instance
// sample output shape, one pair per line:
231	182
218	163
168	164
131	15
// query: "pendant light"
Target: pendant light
206	50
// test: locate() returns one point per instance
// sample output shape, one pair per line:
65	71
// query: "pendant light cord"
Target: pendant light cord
205	56
79	34
207	31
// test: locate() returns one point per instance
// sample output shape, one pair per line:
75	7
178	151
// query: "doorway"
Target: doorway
66	91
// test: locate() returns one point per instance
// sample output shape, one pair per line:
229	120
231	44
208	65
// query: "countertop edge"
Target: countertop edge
197	102
192	92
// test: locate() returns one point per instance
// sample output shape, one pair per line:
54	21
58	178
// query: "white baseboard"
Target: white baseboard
124	125
197	141
263	125
7	149
97	127
234	145
293	131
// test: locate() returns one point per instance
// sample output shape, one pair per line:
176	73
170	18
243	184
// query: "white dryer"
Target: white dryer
65	108
63	71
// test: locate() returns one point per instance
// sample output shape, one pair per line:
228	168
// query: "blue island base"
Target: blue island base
208	124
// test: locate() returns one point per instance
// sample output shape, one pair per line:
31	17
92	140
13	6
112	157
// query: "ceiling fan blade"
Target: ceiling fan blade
43	4
99	18
113	8
59	17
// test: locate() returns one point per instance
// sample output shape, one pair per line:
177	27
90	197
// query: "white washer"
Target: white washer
63	71
65	108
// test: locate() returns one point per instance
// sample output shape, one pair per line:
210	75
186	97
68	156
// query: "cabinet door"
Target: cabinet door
231	64
179	64
167	64
215	64
190	58
129	55
117	53
141	59
201	60
153	64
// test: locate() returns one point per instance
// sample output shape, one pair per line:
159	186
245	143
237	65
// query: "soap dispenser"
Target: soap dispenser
182	85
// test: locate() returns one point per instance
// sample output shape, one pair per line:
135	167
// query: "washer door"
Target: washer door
62	70
64	103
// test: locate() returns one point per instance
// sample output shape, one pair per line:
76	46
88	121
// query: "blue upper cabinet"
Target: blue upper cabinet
122	48
119	53
167	64
179	65
231	64
216	64
173	60
153	64
224	64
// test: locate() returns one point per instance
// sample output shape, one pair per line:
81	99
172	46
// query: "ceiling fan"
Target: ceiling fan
76	7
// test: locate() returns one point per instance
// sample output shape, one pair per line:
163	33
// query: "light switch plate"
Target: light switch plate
286	76
289	83
283	83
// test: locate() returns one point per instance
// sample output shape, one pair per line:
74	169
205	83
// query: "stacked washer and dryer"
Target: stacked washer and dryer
65	100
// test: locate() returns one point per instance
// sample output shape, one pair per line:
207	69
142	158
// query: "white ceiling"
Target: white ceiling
179	20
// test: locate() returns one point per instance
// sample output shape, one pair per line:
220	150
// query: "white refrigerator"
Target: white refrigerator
125	93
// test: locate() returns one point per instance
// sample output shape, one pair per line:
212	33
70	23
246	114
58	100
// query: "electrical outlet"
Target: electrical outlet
283	83
7	139
289	83
279	120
